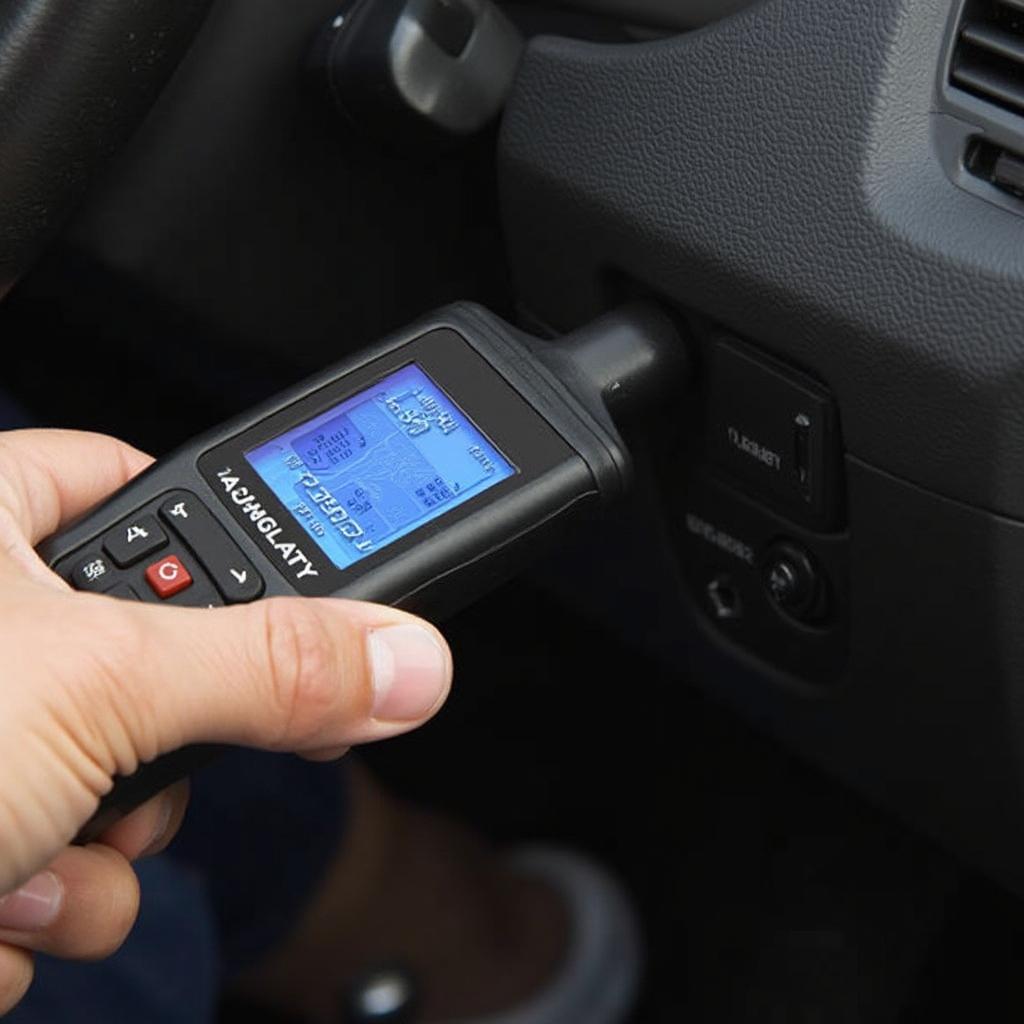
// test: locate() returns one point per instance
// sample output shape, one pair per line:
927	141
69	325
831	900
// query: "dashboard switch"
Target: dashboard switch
793	582
774	434
724	599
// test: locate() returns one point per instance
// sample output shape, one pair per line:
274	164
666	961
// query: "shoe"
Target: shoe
541	936
597	982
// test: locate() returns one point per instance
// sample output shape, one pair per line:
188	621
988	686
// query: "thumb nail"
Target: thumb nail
34	906
411	672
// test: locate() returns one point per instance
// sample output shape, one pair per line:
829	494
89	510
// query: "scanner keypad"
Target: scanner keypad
171	551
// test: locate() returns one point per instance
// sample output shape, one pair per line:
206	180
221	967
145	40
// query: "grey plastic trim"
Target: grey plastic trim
677	14
464	93
783	175
952	137
968	116
778	173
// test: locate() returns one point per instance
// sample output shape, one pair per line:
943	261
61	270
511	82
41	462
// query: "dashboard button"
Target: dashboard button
793	581
775	433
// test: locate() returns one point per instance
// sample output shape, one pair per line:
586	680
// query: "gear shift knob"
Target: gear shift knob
419	72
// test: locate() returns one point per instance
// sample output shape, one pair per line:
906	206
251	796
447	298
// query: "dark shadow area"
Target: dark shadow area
769	892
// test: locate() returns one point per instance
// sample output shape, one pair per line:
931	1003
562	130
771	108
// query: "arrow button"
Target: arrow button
232	573
133	540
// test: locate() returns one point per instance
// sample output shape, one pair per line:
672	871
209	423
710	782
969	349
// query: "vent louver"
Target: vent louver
988	56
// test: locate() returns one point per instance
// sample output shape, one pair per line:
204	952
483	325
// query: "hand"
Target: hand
93	687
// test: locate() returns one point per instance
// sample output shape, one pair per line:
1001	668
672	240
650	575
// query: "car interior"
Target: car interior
779	686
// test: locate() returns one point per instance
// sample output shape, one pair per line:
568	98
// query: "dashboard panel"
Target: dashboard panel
779	178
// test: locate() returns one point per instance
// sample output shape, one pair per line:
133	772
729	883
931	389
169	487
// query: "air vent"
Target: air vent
988	58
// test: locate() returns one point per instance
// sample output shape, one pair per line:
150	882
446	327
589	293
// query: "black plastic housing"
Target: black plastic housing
575	460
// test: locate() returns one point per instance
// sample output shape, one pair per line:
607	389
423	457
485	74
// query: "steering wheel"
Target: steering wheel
76	78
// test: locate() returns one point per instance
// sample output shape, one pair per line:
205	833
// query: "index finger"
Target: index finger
50	477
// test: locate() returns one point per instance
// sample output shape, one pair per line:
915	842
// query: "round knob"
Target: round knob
792	581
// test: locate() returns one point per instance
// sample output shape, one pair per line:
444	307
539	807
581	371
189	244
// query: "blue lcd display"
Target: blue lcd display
382	463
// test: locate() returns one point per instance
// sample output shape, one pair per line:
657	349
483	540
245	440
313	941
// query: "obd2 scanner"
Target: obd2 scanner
418	473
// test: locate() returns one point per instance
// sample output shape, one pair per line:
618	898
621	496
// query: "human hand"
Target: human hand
93	687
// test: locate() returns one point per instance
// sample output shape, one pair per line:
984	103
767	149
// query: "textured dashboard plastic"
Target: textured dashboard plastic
784	174
777	172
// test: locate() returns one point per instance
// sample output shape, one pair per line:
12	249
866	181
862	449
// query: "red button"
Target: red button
168	577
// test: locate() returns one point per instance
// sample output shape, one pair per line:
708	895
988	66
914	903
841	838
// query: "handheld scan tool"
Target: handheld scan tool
417	473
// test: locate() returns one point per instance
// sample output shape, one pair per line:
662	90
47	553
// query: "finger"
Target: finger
150	828
81	908
326	754
282	674
15	976
50	477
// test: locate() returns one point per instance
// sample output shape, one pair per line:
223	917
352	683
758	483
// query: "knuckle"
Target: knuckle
115	643
122	634
303	662
103	702
11	535
110	634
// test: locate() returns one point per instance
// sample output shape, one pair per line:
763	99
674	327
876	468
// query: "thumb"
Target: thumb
282	674
125	682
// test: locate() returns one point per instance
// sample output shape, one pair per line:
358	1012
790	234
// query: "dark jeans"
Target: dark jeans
260	833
